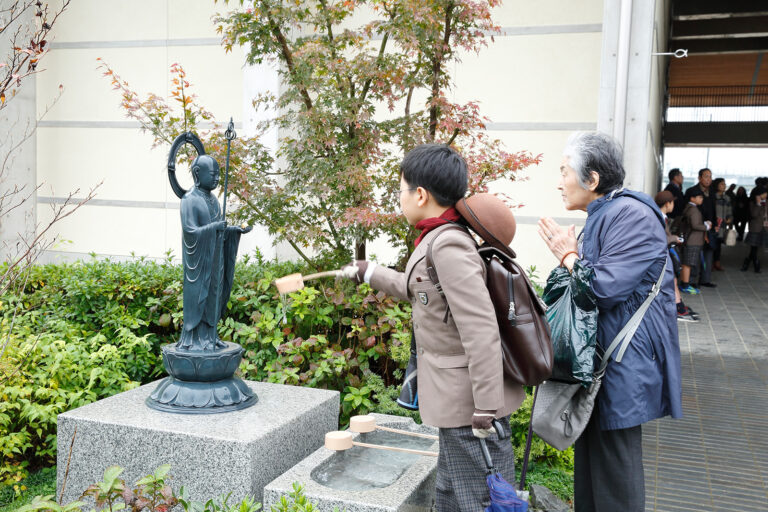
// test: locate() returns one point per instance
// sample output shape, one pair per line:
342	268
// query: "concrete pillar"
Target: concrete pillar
18	165
636	70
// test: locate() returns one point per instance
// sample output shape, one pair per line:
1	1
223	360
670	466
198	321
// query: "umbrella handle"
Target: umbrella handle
487	456
484	446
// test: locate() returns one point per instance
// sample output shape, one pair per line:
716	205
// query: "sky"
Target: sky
736	165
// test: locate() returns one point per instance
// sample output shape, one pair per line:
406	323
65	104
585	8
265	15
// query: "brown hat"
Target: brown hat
490	218
663	198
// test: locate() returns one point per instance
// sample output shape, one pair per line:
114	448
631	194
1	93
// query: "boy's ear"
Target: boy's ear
422	196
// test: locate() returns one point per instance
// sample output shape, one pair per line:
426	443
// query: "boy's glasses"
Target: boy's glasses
408	189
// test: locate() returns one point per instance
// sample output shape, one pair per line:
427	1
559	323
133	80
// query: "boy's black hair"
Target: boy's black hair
703	170
673	172
437	168
695	192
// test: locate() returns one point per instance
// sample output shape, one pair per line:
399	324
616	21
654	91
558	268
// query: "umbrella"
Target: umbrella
504	498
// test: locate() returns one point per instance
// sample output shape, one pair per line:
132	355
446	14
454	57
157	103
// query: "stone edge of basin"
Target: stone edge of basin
393	497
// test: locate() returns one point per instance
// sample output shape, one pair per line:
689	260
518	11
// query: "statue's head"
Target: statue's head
205	171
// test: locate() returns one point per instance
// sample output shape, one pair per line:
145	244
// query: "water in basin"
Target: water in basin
362	469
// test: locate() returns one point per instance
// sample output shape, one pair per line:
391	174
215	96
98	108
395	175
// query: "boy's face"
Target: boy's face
697	200
412	199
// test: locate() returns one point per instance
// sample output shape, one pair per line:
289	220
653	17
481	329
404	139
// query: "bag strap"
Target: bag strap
626	334
432	272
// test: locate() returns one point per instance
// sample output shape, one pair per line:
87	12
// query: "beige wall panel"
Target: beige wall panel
172	234
548	12
70	158
537	190
109	230
189	19
88	96
534	78
216	78
531	250
113	20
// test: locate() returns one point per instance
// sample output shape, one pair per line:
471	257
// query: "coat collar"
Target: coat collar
421	250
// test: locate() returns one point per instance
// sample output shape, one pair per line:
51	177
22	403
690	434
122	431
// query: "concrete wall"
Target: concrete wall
86	138
538	82
18	164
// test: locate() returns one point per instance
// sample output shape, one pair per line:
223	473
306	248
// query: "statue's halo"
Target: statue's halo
184	138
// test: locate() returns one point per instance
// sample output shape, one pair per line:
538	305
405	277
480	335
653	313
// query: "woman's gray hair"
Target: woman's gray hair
595	151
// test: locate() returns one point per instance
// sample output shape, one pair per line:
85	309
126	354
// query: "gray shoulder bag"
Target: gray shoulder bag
564	409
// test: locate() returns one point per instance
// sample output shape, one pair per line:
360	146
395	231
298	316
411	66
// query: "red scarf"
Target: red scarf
427	225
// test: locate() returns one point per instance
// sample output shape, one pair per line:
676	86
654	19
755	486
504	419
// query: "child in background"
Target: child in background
665	200
694	230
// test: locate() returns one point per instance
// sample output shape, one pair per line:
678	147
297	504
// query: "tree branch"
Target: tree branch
288	57
437	62
274	226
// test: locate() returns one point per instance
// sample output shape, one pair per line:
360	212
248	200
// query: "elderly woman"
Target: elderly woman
625	245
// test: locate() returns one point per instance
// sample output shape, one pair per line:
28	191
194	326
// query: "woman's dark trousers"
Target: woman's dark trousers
608	470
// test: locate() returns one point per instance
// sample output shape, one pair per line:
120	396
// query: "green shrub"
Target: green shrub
84	331
58	370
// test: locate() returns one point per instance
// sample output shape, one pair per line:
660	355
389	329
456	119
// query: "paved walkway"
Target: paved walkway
716	457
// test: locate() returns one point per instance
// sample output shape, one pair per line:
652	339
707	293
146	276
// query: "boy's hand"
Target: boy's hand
482	423
355	271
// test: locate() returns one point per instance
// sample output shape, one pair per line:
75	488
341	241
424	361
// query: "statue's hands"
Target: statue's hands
219	225
240	229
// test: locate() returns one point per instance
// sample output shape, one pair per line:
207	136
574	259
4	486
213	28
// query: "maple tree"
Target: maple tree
354	98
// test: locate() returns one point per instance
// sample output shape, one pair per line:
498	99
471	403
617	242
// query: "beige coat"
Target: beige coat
460	361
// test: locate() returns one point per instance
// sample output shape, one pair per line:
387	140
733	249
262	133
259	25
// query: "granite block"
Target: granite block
210	455
413	491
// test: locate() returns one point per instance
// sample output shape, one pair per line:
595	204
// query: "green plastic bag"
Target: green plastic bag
572	316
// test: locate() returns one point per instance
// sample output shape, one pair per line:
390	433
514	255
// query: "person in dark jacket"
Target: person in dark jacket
723	218
740	212
695	230
675	187
758	227
624	244
707	209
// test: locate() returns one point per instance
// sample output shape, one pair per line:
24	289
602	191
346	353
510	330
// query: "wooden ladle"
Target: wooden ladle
339	441
295	282
367	423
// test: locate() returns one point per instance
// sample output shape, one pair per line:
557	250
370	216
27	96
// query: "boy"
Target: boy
694	238
461	383
665	200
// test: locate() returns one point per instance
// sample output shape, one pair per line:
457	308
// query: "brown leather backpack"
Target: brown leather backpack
525	342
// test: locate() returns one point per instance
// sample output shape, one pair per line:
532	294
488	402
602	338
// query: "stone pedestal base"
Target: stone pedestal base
238	452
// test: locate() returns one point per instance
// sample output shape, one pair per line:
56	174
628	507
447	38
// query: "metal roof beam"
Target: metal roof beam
753	26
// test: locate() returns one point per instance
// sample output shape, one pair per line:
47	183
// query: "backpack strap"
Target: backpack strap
432	273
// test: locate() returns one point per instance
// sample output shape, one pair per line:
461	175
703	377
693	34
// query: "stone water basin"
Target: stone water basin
365	479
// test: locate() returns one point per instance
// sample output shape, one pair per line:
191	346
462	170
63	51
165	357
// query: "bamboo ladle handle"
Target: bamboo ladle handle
367	423
407	433
394	449
339	441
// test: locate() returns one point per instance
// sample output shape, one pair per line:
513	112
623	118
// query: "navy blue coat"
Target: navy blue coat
625	243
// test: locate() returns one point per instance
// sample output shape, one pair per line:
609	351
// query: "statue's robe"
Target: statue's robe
209	268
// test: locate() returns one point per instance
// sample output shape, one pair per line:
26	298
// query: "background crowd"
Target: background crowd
703	218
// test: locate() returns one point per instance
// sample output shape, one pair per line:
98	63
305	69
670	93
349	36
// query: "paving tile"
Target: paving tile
716	457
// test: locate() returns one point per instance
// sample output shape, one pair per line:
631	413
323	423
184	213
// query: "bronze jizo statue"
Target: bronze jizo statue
200	365
210	250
